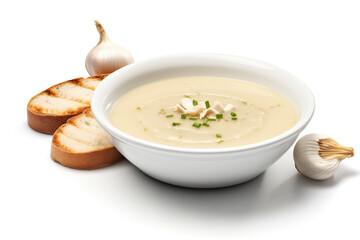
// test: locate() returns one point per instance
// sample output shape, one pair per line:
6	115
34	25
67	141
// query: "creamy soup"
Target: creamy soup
203	112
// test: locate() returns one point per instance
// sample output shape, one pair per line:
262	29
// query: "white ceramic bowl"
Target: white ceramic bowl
202	168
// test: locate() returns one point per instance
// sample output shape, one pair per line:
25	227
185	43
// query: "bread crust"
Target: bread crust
85	161
47	123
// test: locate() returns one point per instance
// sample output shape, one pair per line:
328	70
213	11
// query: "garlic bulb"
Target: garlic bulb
318	156
106	56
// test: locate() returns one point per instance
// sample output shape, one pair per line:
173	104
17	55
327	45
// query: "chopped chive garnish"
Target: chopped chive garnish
169	116
138	108
220	141
233	114
207	104
205	122
193	118
187	96
195	102
183	116
218	135
145	129
196	124
211	119
234	118
219	115
176	123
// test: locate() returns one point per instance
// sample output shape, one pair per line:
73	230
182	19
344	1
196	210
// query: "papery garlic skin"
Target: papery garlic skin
308	160
106	57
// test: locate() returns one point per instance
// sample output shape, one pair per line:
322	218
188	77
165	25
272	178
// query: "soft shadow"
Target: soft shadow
256	197
226	201
298	190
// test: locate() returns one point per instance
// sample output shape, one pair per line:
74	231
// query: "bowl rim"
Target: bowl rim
127	138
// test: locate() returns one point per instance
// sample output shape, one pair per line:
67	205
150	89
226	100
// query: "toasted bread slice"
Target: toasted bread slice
81	143
51	108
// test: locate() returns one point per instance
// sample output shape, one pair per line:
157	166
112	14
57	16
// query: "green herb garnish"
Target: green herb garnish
205	122
183	116
218	135
219	115
176	123
138	108
220	141
211	119
196	124
207	104
193	118
195	102
187	96
169	116
235	118
233	114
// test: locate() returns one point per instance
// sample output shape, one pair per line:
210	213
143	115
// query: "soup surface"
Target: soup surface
203	112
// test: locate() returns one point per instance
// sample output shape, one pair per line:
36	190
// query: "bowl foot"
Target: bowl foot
204	184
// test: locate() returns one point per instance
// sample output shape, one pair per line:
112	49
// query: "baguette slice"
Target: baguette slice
81	143
51	108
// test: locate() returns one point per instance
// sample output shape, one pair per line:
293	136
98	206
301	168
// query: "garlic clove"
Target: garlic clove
229	108
106	56
187	103
208	112
180	108
218	107
317	156
195	111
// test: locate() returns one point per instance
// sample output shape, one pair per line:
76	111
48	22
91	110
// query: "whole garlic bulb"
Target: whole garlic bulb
106	56
317	156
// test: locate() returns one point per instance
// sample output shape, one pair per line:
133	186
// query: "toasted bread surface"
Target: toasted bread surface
51	108
81	143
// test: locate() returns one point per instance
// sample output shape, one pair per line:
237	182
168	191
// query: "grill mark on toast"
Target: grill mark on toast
79	110
100	77
41	110
79	141
59	144
56	140
76	80
78	83
49	92
88	113
85	130
73	121
81	84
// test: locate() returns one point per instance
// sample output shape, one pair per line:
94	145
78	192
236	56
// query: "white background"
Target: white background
46	42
